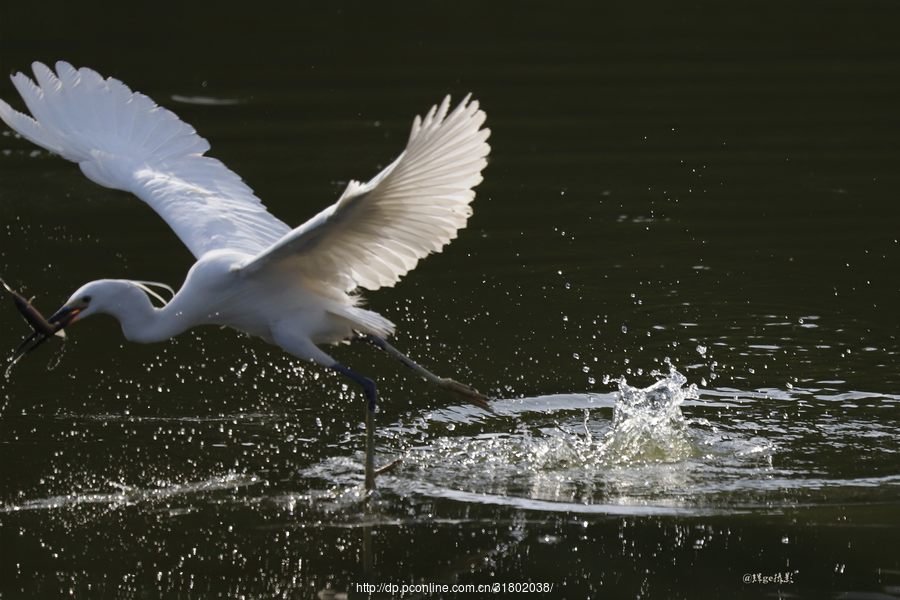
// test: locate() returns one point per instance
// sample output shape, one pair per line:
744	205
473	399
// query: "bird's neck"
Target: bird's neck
141	321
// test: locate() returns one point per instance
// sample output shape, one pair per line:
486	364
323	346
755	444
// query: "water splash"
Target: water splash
648	424
610	452
55	361
631	451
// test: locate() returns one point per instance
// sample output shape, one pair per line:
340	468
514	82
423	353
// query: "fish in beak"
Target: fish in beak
43	329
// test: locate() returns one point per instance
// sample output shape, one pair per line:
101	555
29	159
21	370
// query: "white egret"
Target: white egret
291	287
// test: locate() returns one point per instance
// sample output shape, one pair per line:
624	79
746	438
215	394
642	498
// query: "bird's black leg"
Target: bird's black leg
367	338
368	387
367	384
462	391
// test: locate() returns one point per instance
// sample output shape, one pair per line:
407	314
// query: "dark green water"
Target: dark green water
712	186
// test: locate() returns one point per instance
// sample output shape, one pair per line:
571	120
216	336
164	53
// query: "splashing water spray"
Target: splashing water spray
647	423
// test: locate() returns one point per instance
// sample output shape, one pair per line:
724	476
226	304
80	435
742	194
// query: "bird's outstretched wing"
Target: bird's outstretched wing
378	231
122	139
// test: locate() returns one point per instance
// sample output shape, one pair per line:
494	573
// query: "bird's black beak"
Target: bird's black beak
64	317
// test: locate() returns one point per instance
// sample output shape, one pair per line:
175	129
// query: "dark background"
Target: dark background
663	176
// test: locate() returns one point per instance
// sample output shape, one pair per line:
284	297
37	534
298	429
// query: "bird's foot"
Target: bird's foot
466	392
370	484
388	467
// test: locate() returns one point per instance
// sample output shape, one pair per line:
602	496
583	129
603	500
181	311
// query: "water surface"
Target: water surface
684	197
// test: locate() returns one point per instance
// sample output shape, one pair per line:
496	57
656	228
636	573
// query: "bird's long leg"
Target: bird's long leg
465	392
367	384
371	392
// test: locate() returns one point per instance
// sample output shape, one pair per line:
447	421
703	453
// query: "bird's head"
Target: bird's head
103	296
79	305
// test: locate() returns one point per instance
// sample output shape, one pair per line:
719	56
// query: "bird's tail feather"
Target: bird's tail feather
366	321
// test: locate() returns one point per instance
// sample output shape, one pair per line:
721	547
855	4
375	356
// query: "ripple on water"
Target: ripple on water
122	495
629	452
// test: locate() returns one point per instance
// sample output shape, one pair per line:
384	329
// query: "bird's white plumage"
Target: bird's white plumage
253	273
372	236
378	231
123	140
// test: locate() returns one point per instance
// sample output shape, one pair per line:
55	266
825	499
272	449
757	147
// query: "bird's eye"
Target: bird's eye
86	299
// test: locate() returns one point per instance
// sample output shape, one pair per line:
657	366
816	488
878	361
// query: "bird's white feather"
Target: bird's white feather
253	273
373	235
123	140
378	231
